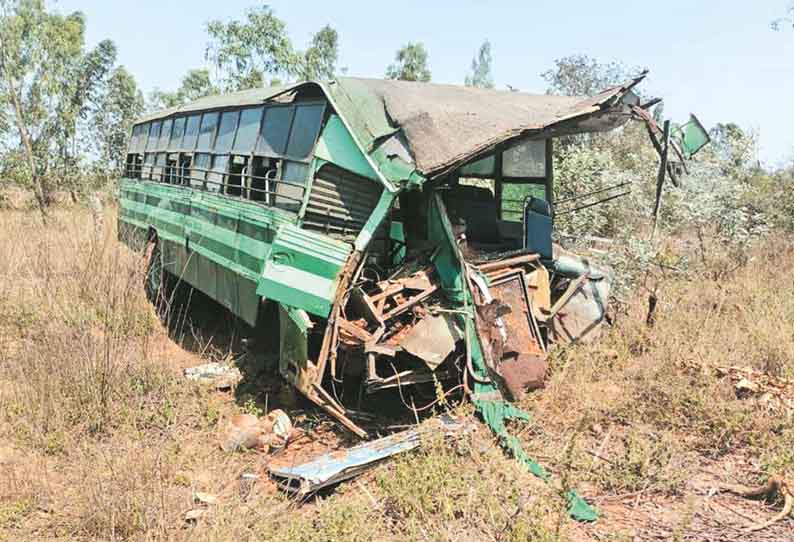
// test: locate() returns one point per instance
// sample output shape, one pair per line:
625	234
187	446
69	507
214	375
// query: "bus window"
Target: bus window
165	134
171	168
275	130
262	170
148	162
238	171
304	130
159	166
154	135
207	132
226	132
525	159
199	171
184	169
250	119
289	193
217	174
191	132
143	134
176	134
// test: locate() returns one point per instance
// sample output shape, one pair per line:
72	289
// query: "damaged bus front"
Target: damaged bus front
401	231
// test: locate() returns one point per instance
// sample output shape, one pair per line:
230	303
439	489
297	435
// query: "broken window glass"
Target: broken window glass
288	195
216	175
248	130
304	130
191	132
484	167
207	132
199	170
275	130
526	159
165	134
177	133
226	131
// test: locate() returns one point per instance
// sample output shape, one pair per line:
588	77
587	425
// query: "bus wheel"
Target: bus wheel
153	282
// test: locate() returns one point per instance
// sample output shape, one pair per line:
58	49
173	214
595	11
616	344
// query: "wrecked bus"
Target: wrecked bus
402	230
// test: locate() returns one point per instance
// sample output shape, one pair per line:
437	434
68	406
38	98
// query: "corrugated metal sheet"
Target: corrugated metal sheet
340	202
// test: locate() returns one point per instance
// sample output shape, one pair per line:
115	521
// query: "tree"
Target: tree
113	116
240	49
481	75
246	52
787	20
195	84
410	64
733	150
46	82
581	75
319	60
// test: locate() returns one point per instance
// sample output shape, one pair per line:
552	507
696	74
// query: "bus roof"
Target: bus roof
431	128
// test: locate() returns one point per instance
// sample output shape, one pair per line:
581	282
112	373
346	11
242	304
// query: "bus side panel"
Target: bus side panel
216	244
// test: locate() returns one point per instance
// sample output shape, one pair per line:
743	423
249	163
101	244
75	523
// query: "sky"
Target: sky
717	59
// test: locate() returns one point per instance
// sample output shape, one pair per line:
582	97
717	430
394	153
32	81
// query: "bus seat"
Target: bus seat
537	227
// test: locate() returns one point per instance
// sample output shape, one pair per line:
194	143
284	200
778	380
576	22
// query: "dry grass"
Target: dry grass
656	408
104	440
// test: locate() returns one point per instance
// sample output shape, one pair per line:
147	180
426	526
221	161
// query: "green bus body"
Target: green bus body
282	195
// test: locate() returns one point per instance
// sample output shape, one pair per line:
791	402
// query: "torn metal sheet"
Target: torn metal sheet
433	339
335	467
580	318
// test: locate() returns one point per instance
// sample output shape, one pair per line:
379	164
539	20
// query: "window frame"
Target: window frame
501	180
197	177
294	105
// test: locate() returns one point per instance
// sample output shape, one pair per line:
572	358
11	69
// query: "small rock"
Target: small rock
205	498
747	386
195	514
221	377
247	482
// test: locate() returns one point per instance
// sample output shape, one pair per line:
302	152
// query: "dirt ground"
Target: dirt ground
104	439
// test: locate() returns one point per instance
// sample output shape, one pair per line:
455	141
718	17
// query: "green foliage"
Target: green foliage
50	88
195	84
581	75
410	64
245	51
113	115
319	60
481	75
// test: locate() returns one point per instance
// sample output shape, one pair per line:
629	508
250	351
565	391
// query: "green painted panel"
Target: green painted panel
302	270
215	243
336	145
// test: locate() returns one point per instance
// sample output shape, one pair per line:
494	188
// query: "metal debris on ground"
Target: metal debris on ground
334	467
219	375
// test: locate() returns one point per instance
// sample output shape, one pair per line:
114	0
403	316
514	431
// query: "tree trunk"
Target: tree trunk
36	179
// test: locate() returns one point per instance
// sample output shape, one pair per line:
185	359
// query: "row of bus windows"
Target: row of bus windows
273	181
276	130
